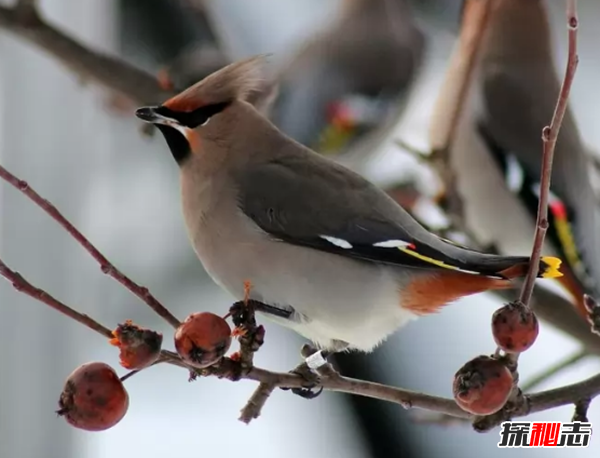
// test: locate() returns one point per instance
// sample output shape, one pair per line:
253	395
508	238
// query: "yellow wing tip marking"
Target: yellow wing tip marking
552	267
435	262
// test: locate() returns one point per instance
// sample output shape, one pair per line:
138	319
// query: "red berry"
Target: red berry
482	386
515	327
139	347
203	339
93	398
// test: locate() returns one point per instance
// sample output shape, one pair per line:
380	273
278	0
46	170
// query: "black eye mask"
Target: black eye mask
193	119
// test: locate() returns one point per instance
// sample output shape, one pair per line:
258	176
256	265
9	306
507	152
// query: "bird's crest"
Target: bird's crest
242	80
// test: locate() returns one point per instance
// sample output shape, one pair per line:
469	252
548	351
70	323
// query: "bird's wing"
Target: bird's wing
310	201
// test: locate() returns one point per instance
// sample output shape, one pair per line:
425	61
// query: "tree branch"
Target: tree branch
406	398
549	137
453	96
517	401
23	286
105	265
475	14
112	73
253	407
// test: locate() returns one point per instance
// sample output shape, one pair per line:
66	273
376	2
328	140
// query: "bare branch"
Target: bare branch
229	369
253	407
23	286
109	72
453	95
452	98
549	136
517	401
105	265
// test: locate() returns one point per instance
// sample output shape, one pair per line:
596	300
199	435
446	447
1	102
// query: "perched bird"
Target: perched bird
328	254
497	152
343	82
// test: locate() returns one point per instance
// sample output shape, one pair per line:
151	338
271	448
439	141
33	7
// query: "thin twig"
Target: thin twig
476	15
549	137
452	99
105	265
23	286
253	407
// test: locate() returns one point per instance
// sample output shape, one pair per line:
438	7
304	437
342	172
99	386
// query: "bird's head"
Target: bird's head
207	110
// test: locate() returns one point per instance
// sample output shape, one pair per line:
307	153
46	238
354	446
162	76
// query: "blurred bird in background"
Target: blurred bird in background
497	152
344	82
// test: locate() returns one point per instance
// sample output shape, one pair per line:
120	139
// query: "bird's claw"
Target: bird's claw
311	380
246	330
253	338
307	393
241	315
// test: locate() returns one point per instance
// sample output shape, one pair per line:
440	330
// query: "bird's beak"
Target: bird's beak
149	114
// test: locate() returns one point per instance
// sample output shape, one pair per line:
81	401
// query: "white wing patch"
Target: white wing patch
392	244
341	243
515	177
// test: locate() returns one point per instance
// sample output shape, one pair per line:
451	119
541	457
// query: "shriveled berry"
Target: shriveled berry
515	327
139	347
482	386
93	398
203	339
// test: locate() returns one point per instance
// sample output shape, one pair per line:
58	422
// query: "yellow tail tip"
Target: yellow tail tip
551	268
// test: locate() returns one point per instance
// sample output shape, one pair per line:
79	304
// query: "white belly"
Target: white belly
334	298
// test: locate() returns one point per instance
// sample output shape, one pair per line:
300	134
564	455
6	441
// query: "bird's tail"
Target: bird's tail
549	268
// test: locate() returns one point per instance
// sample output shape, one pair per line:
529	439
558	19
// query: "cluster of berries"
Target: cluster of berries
94	398
484	384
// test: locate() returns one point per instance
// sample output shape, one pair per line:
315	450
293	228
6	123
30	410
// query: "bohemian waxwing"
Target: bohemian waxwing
328	254
497	151
346	80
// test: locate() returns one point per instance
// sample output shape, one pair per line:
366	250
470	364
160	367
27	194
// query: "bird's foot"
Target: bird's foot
311	370
250	335
311	379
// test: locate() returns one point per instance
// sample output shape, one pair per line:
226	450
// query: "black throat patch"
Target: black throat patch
177	143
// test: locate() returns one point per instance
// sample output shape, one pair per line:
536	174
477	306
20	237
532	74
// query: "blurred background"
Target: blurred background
79	145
